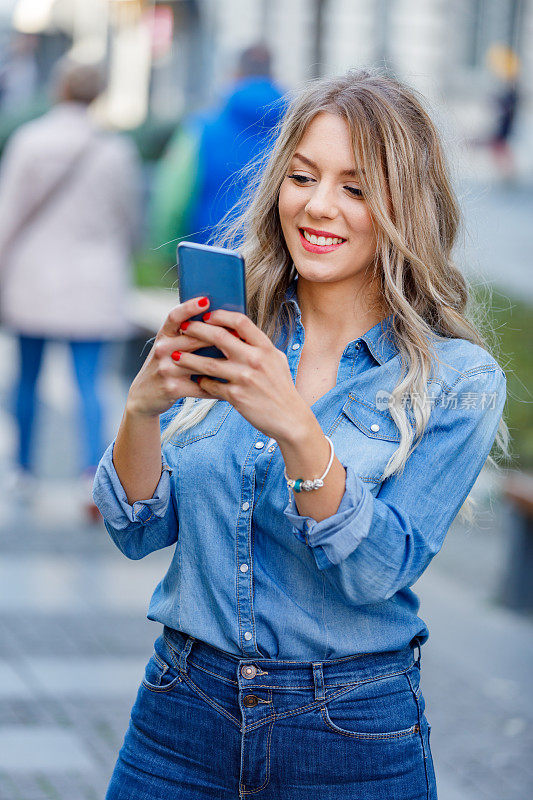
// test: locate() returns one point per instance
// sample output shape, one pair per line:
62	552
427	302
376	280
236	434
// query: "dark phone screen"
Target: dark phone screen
214	273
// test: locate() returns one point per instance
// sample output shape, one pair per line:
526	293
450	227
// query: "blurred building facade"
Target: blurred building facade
167	57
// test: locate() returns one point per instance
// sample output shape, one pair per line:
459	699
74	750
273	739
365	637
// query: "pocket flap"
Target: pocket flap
208	426
374	422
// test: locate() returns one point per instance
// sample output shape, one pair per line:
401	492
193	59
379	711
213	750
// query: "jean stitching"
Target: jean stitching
420	732
260	788
314	704
161	689
204	435
351	684
214	674
357	735
161	662
173	652
212	703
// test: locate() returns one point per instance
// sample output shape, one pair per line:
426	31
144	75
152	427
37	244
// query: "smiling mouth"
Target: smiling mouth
318	243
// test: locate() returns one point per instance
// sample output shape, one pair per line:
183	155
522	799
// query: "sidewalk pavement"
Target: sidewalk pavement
74	641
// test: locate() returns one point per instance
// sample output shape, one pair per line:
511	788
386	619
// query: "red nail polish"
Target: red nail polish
203	301
176	355
234	332
206	316
184	326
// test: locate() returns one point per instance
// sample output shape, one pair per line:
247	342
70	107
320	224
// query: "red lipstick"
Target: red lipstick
319	248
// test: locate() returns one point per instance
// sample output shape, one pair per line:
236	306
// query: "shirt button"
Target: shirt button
247	636
296	346
244	568
374	427
259	445
245	506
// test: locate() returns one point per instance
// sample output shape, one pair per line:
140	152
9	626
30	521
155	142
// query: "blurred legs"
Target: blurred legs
88	361
31	353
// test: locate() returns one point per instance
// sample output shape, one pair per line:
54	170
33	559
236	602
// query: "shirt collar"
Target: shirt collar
380	339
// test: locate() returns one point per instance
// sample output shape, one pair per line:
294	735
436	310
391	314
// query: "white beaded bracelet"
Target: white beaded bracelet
308	486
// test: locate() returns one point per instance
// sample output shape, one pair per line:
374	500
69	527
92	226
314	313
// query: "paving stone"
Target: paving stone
31	748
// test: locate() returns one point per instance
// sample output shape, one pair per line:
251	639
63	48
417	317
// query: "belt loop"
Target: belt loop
419	649
318	678
184	653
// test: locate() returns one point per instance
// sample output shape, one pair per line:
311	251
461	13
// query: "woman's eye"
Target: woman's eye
301	179
353	191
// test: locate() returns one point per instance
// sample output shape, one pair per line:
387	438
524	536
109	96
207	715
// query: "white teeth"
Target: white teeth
321	241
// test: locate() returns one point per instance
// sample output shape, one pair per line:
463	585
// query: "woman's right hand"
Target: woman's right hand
160	381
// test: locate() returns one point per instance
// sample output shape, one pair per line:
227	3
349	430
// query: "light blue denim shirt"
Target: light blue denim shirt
248	574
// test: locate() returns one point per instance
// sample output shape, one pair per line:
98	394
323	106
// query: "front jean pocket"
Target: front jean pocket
381	708
159	675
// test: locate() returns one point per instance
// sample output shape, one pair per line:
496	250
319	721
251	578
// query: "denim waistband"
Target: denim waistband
285	673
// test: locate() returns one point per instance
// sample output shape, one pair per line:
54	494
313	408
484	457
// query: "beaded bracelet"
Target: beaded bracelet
299	484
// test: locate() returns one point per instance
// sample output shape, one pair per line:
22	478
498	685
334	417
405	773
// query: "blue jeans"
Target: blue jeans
87	359
206	724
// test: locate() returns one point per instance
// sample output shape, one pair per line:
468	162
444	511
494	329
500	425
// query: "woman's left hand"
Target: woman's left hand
260	384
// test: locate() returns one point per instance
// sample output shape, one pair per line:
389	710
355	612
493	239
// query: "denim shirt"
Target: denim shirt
249	574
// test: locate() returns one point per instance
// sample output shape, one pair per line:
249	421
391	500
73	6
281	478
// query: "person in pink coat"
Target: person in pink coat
69	221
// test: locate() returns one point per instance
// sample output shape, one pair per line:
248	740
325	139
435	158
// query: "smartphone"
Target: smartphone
215	273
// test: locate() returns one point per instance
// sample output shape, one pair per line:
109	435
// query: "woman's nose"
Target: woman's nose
321	204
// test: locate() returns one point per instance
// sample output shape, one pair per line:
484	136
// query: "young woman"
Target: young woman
307	493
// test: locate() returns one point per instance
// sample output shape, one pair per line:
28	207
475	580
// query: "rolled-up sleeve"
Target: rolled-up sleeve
143	527
111	499
374	546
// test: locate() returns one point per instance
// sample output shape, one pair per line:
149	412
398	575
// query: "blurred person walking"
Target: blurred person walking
505	65
199	177
305	495
69	217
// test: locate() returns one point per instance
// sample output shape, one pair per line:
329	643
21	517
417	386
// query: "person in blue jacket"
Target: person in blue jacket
202	173
305	495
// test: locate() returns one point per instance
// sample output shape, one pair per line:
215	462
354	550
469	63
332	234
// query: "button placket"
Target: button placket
244	552
244	579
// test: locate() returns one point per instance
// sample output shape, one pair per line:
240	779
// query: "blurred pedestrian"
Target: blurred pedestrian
199	177
505	65
18	74
69	217
289	662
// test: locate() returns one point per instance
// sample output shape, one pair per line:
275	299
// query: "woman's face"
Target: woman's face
325	220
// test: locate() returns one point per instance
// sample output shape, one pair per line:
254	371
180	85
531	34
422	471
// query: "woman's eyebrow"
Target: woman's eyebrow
352	173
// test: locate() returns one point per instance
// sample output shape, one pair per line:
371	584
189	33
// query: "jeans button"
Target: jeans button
250	700
249	671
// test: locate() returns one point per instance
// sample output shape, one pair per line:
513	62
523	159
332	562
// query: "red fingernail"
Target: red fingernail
234	332
176	355
184	326
206	316
203	301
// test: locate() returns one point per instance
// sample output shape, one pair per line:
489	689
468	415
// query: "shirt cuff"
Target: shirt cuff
111	499
334	538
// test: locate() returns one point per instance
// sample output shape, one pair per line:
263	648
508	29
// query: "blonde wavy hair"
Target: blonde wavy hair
416	216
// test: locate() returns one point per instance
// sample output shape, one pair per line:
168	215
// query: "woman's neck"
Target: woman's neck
337	313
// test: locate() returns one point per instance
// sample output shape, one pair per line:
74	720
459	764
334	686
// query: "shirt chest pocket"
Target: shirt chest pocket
365	438
208	426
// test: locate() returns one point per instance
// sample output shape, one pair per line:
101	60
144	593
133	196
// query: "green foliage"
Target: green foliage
152	269
508	327
514	323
